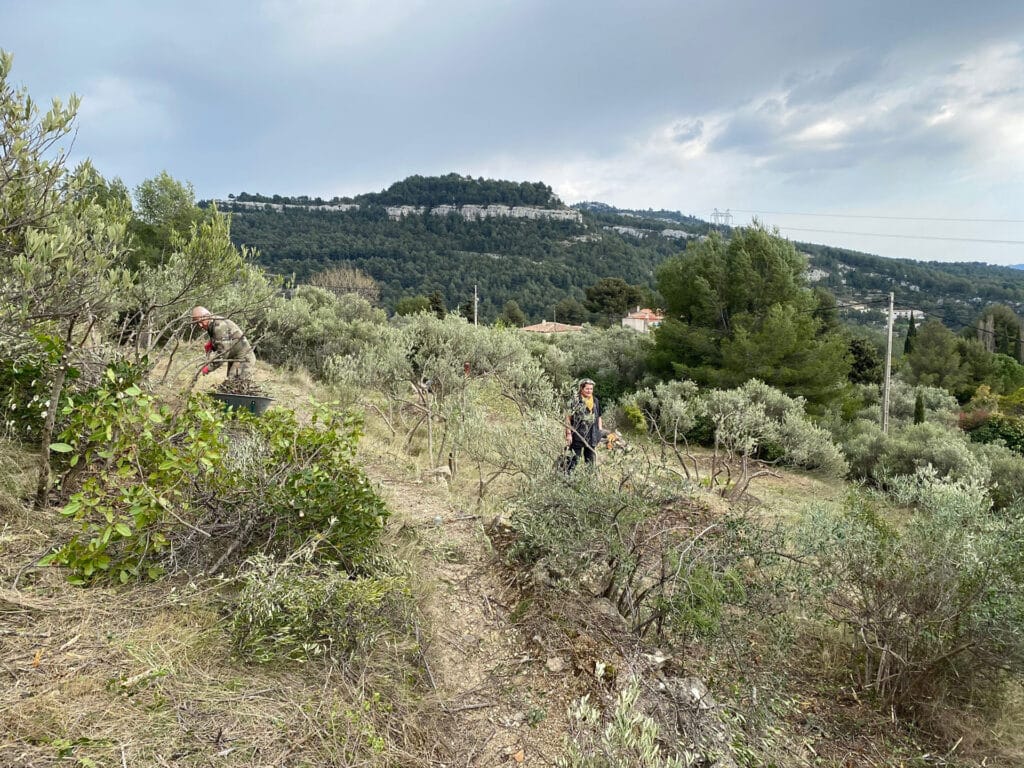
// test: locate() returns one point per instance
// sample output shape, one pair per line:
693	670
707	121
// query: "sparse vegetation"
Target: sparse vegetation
301	609
931	607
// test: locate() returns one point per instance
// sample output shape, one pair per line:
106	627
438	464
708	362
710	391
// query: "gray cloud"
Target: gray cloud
660	98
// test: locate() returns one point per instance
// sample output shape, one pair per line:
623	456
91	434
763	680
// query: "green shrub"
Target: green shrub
133	466
1006	467
143	481
616	359
998	427
306	482
422	348
939	406
577	527
315	325
934	607
876	457
25	386
754	421
300	610
599	535
1013	403
630	739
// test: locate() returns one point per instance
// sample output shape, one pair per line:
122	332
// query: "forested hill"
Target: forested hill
516	241
954	292
448	234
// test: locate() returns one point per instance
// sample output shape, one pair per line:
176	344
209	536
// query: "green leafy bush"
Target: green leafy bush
599	535
1006	486
752	422
133	467
315	325
151	488
580	527
615	358
1013	403
299	609
305	481
877	457
998	427
773	426
939	406
934	607
25	376
423	348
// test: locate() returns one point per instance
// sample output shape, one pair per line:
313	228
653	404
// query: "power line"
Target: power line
906	237
888	218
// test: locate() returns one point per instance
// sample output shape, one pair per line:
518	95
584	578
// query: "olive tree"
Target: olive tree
60	248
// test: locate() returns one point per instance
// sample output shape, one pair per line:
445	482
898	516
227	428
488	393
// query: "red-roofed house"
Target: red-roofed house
642	320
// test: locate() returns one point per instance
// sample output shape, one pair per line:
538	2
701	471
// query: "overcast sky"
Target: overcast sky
842	112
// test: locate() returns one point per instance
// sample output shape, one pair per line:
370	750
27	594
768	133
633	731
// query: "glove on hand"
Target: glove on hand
206	370
209	346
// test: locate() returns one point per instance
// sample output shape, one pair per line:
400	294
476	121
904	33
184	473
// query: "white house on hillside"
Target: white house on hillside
642	320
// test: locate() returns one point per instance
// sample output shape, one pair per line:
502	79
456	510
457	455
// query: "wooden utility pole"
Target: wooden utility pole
888	372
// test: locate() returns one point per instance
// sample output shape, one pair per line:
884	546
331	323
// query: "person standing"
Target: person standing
228	344
583	425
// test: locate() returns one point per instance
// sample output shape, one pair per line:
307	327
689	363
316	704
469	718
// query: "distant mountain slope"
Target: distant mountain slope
952	291
453	232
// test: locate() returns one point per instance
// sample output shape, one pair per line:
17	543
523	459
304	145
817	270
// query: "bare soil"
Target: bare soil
505	705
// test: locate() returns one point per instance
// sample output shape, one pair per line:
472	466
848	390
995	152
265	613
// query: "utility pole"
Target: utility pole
888	372
476	301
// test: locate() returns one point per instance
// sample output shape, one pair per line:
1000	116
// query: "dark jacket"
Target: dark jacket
584	423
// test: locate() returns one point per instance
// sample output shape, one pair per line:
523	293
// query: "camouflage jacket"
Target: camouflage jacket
229	343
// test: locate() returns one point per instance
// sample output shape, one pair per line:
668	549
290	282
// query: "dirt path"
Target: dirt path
506	706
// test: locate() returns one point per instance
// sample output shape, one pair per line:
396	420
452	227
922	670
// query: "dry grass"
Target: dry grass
147	672
143	675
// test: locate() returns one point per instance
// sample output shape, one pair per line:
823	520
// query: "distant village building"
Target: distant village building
642	320
549	328
631	231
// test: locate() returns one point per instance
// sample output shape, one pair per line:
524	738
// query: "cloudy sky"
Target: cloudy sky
893	127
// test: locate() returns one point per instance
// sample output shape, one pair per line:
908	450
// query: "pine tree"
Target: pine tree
919	408
908	345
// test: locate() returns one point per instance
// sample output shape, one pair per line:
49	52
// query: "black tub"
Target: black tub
253	403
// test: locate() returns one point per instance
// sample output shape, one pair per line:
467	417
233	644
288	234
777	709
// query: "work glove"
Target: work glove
206	370
209	346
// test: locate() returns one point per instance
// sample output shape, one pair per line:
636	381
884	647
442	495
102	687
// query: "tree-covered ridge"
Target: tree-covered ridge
540	263
648	219
453	189
955	291
536	263
430	191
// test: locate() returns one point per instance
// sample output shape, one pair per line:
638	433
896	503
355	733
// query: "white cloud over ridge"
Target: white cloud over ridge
948	127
